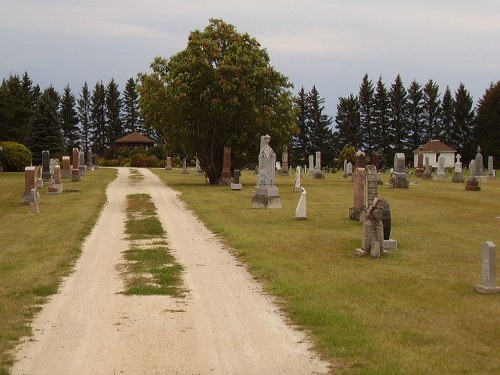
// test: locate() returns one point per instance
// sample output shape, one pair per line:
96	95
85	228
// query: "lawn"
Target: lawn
414	311
36	250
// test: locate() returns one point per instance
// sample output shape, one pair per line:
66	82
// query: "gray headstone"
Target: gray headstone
46	166
311	163
490	166
399	162
478	164
349	169
267	193
488	279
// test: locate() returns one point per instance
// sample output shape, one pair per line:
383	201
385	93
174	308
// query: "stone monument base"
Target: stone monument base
355	213
262	201
458	177
65	174
236	186
225	181
427	175
28	198
82	169
318	175
440	177
487	289
75	175
390	244
419	172
399	182
168	168
472	185
55	189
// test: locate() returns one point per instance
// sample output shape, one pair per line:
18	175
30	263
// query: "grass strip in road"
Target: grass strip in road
37	250
150	269
412	312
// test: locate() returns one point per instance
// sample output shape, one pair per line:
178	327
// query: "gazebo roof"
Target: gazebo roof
135	137
435	146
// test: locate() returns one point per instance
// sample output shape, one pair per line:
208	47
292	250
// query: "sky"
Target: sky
328	43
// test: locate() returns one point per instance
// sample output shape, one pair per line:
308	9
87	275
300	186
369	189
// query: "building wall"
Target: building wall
433	158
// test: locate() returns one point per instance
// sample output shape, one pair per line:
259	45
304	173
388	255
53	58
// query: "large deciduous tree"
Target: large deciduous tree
219	91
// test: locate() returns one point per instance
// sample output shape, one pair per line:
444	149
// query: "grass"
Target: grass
150	268
37	250
411	312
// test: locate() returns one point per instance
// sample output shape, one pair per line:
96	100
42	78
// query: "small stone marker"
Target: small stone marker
398	178
199	171
82	167
236	185
472	183
75	175
34	199
318	174
488	281
168	167
349	169
266	194
225	176
345	169
491	172
301	210
297	186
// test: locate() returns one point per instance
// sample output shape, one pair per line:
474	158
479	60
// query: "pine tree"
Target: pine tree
382	139
398	116
69	120
366	106
113	113
320	133
301	141
446	120
46	131
84	116
463	124
348	130
98	133
488	122
415	116
132	120
432	128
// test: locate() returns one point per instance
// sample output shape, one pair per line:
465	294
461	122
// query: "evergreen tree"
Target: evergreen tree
398	116
113	113
446	121
488	122
132	120
463	124
98	132
301	140
69	120
366	106
46	131
84	116
432	128
320	136
415	116
348	130
382	139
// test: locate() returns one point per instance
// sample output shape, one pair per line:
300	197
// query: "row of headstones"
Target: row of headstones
51	174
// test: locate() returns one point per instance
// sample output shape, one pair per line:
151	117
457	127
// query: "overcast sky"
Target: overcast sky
329	43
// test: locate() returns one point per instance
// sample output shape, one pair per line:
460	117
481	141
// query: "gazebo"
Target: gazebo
134	140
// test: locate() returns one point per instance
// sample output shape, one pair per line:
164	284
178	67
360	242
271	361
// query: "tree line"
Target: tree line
48	120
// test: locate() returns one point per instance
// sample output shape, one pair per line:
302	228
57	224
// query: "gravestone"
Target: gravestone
427	170
441	174
236	184
52	164
75	164
66	168
278	166
168	167
318	174
389	243
478	164
30	183
75	175
267	193
420	164
472	183
373	232
46	166
311	164
398	178
90	160
301	209
375	160
358	185
349	169
82	167
371	178
184	166
198	170
284	162
345	169
225	176
360	159
39	179
458	173
491	172
34	200
488	267
57	186
297	186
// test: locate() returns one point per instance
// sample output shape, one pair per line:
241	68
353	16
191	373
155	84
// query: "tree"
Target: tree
431	112
320	136
382	139
446	117
366	108
463	124
114	129
348	123
132	120
84	115
488	122
69	120
219	91
46	131
398	116
98	133
301	142
415	116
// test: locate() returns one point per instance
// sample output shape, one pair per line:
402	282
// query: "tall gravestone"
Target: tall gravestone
441	174
398	178
427	170
297	187
198	170
472	183
373	232
82	167
225	177
318	173
420	164
458	172
90	160
30	183
344	174
491	171
168	167
478	164
75	171
358	185
488	267
66	168
370	186
236	184
57	186
301	209
311	164
349	169
267	193
284	162
46	166
184	166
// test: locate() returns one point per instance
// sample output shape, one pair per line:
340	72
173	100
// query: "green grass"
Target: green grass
37	250
150	269
411	312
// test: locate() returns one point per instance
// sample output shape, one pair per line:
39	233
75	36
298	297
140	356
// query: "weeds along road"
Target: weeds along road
224	325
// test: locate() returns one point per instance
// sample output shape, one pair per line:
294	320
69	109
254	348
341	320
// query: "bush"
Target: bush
15	156
158	151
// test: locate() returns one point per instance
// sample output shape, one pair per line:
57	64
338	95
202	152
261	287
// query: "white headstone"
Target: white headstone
301	210
297	186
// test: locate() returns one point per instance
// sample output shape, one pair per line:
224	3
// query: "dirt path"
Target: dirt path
224	326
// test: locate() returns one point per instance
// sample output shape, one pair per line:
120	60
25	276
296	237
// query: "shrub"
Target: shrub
158	151
15	156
